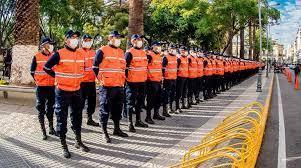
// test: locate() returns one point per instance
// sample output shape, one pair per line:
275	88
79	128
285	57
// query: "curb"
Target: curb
266	111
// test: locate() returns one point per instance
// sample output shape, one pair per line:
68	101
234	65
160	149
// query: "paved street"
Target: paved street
160	145
282	147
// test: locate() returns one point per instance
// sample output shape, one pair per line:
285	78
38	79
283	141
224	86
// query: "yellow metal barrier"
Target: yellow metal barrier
233	143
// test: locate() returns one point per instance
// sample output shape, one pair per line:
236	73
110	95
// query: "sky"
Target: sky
290	21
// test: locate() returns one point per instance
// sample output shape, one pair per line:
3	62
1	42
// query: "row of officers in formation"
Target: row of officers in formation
66	78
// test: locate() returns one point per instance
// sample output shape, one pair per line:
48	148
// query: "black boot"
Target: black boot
184	104
51	129
193	102
139	123
66	152
43	131
105	132
91	122
131	126
189	103
157	116
79	144
117	131
148	118
165	112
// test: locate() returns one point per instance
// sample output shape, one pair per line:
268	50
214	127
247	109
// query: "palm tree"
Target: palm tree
136	17
26	33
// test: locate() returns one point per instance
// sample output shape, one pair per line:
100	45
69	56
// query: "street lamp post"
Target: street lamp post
260	50
268	42
267	68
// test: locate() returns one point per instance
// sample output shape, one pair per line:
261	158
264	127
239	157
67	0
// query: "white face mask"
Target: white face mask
117	42
186	53
73	43
174	52
87	44
139	44
159	49
51	48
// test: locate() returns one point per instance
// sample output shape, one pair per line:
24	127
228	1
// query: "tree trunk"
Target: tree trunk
250	41
26	33
136	17
242	43
255	52
229	46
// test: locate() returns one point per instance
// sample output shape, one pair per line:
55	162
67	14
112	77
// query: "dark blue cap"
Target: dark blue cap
147	48
194	50
156	43
183	48
87	36
172	46
70	33
116	34
46	40
136	36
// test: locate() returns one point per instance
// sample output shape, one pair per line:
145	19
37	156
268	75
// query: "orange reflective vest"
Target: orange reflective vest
89	55
227	66
137	71
235	66
192	68
241	66
208	68
220	67
214	70
171	67
69	72
40	76
200	67
154	68
112	68
183	68
231	68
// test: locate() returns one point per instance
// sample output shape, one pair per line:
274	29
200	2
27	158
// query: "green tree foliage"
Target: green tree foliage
7	21
93	17
197	22
211	25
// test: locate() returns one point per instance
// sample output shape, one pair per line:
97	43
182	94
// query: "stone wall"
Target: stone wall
22	57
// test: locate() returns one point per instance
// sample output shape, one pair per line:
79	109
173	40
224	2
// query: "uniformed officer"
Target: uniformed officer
45	86
69	71
109	67
169	65
182	76
136	76
200	76
220	73
208	77
153	84
192	76
88	86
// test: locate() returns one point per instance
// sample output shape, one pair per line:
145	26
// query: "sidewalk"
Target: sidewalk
160	145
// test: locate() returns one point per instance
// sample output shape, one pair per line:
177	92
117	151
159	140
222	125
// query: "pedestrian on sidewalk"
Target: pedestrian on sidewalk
109	67
68	73
45	86
88	86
